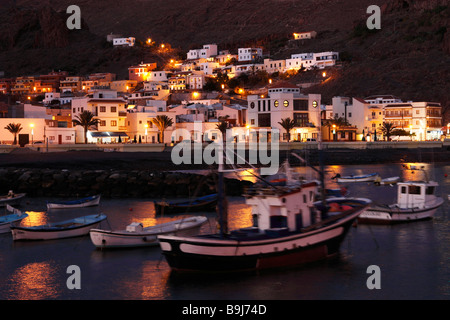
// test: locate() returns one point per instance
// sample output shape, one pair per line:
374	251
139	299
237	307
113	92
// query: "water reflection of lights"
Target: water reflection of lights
416	171
240	216
35	218
35	281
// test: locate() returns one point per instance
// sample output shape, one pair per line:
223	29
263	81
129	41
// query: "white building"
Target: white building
305	35
249	54
325	59
208	51
63	98
109	109
282	101
380	99
272	66
159	76
126	42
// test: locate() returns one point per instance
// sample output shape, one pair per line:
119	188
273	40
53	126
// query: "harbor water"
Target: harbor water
413	258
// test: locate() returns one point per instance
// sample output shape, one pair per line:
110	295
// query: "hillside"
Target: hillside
409	57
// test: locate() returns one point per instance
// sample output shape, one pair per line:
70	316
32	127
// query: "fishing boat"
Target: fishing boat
290	228
386	181
416	200
13	199
360	178
135	235
66	229
205	203
14	215
79	203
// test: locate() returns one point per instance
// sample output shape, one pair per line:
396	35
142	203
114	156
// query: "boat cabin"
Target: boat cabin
285	208
416	194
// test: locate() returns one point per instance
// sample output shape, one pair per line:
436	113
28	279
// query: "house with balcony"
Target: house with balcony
109	109
208	51
249	54
70	84
422	119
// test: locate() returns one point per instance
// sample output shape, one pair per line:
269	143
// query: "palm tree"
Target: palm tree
387	128
223	125
86	120
162	122
14	129
288	124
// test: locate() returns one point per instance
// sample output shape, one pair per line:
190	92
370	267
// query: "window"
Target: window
252	121
430	190
286	103
276	103
113	123
68	138
349	114
102	109
102	123
113	109
414	190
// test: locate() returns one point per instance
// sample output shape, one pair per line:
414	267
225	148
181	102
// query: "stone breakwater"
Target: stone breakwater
38	182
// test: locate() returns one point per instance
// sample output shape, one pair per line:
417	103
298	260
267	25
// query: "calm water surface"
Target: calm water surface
413	258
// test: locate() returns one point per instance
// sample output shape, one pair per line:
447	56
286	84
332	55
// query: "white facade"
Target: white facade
157	76
129	42
62	98
285	101
208	51
249	54
272	66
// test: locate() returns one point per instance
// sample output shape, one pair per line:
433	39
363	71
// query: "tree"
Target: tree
288	124
14	129
387	128
223	125
86	120
162	122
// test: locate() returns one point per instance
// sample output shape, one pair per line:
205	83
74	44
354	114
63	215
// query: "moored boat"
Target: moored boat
416	200
386	181
79	203
290	228
135	235
14	215
360	178
66	229
13	199
205	203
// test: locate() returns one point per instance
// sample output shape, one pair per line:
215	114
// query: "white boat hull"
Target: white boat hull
15	200
23	233
147	237
92	203
364	179
379	215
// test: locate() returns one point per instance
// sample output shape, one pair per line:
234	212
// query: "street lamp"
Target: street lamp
32	132
146	132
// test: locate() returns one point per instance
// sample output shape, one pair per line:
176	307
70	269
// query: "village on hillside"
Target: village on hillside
202	94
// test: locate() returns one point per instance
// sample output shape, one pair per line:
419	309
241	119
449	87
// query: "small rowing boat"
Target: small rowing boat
79	203
205	203
360	178
58	230
135	235
13	199
14	215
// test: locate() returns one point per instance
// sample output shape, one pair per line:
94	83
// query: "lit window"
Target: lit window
286	103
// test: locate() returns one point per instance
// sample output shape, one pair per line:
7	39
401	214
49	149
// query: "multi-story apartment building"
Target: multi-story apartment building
70	84
423	119
109	109
208	51
282	101
140	72
249	54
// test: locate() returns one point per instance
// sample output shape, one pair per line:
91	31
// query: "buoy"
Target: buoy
131	209
445	175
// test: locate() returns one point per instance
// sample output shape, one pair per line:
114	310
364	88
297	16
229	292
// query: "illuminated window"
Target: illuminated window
276	103
286	103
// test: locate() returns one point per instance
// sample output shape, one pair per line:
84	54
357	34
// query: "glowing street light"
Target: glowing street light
195	94
32	132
